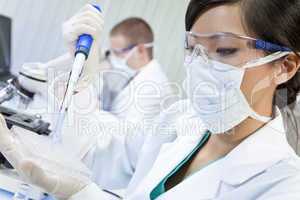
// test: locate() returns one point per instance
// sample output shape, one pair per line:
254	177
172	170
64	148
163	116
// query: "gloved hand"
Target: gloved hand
87	21
61	187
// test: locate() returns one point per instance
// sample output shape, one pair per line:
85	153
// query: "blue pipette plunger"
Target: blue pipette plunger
85	41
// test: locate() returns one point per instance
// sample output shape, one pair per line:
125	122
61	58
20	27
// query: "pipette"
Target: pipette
83	48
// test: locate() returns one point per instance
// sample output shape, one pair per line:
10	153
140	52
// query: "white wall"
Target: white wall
37	27
166	18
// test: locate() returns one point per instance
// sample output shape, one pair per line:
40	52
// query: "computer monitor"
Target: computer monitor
5	45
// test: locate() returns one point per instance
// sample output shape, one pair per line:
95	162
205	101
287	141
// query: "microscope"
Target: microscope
13	117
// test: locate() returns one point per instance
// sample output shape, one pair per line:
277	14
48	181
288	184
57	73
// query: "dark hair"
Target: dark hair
136	31
276	21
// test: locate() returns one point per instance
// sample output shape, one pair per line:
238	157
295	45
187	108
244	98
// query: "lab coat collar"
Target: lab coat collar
146	70
152	63
252	157
165	163
257	153
146	73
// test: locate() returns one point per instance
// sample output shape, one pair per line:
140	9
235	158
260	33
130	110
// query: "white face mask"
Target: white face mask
214	91
121	63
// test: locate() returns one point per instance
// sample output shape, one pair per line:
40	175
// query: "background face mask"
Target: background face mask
121	64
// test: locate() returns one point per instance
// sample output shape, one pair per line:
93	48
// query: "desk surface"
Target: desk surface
4	195
9	183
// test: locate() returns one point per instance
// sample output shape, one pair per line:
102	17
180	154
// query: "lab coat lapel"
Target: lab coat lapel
170	156
252	157
203	185
123	100
128	93
259	152
207	180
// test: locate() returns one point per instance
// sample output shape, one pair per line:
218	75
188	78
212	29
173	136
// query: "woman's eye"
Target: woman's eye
226	51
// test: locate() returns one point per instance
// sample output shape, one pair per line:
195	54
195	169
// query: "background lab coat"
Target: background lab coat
263	166
144	97
135	106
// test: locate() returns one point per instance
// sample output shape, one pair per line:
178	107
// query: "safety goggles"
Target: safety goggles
232	49
122	51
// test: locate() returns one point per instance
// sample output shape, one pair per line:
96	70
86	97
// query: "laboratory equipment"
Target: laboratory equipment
32	123
7	92
12	88
5	47
33	77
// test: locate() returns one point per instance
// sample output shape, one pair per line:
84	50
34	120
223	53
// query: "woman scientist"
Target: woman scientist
227	140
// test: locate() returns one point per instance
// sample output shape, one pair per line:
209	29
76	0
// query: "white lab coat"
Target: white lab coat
146	95
263	166
141	100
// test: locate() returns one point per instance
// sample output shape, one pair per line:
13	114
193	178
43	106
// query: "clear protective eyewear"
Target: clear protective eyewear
121	51
232	49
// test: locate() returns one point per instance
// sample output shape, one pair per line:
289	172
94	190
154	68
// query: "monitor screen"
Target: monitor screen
5	44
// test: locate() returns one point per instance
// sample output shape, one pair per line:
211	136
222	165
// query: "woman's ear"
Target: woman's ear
286	69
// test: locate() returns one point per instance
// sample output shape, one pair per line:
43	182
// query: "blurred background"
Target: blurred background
36	28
